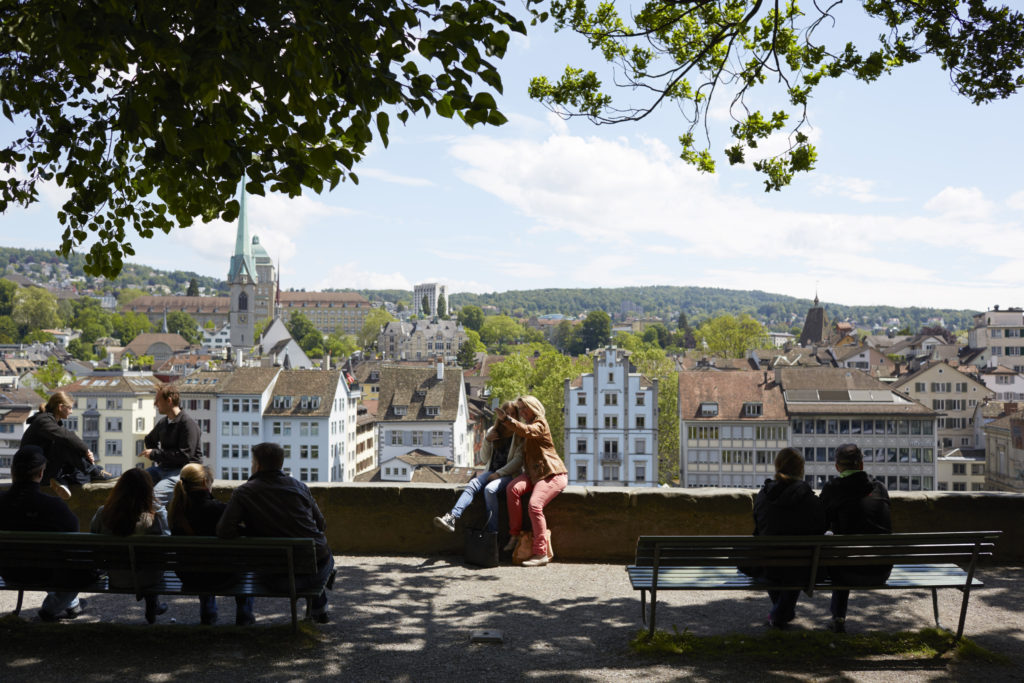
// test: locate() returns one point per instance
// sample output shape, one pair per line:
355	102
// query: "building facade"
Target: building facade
611	425
328	311
432	291
999	334
953	395
421	340
1004	453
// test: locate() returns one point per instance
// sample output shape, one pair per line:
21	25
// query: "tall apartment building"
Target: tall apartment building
953	395
432	291
733	423
611	425
1004	453
112	414
424	411
328	311
999	334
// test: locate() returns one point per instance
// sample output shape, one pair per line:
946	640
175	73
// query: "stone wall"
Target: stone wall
600	524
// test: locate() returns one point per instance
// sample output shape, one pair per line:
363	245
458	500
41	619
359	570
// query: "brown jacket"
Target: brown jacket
541	458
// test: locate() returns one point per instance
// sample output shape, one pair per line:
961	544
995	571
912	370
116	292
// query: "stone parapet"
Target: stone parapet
599	524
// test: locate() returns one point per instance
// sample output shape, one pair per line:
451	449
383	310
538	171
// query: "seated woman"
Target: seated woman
786	506
545	475
131	510
69	462
502	453
195	512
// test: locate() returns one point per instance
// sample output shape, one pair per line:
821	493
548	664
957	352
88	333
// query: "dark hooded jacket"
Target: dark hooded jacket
66	453
857	504
787	508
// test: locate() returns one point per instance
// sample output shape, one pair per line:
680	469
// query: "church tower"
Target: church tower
242	281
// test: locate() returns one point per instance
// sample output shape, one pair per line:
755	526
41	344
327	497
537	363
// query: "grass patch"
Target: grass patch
813	646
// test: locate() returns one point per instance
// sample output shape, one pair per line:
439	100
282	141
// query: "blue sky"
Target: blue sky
918	199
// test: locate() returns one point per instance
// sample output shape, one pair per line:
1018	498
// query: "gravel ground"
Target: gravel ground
411	618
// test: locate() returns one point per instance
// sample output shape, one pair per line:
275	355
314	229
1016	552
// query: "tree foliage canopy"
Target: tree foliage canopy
684	51
150	113
732	337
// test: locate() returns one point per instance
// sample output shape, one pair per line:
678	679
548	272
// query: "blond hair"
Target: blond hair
193	477
534	404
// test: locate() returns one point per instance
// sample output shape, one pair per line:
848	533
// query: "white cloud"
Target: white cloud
388	177
351	275
960	203
858	189
1016	201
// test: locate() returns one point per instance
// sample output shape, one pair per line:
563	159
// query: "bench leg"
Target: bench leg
295	616
963	614
935	606
643	606
17	608
654	605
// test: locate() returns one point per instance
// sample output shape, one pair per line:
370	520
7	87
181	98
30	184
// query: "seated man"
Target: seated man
273	503
173	441
855	503
23	507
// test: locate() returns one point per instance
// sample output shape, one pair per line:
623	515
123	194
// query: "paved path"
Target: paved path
410	619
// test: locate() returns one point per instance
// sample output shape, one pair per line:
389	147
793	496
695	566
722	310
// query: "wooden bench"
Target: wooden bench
924	560
246	558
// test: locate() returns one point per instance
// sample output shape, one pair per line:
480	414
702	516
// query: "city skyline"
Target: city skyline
916	200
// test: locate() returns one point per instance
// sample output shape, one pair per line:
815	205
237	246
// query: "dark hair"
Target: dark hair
789	464
849	457
170	394
129	502
270	456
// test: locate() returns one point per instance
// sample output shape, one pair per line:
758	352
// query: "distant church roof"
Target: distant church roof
242	262
815	325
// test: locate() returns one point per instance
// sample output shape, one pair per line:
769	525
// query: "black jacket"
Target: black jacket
787	508
64	451
857	504
175	444
24	507
202	515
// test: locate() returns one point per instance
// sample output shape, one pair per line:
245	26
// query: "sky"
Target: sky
917	200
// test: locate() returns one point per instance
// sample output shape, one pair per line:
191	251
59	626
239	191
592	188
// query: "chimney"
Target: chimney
327	361
1010	407
238	358
440	371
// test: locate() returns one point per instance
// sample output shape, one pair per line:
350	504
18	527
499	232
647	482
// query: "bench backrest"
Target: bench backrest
960	547
75	550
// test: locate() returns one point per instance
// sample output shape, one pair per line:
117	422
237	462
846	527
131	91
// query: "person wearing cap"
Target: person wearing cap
786	506
502	453
23	507
855	503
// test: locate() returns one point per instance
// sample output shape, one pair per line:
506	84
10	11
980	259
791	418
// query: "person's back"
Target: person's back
273	503
855	503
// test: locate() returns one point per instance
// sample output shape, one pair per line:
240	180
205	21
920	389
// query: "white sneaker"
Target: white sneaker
536	561
445	521
62	491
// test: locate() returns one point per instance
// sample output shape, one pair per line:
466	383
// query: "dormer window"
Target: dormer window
433	411
753	409
399	410
421	394
709	409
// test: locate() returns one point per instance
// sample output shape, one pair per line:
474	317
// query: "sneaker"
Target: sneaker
511	545
101	475
60	490
48	618
322	618
74	612
837	625
536	561
445	521
153	610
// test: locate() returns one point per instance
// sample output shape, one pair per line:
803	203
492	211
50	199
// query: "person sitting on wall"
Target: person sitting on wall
173	441
855	503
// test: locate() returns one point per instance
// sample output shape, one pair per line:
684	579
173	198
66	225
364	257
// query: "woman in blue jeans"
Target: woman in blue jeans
502	451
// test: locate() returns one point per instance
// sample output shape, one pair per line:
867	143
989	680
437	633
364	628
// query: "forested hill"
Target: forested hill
44	266
699	303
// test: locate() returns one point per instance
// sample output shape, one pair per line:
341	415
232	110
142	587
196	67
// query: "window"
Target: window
753	409
399	410
140	424
112	448
581	472
275	428
113	404
303	451
959	468
959	486
977	469
417	438
611	376
581	421
113	424
640	473
640	446
611	422
581	399
396	437
433	411
640	421
919	386
581	445
640	399
611	399
610	473
708	409
611	449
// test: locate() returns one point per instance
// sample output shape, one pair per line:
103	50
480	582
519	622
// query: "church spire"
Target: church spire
242	260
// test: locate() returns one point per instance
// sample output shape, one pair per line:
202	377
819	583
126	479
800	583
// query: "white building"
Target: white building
422	410
960	471
432	291
611	425
1000	336
1006	384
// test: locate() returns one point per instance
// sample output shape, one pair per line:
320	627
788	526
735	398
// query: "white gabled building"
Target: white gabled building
422	410
611	424
312	414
